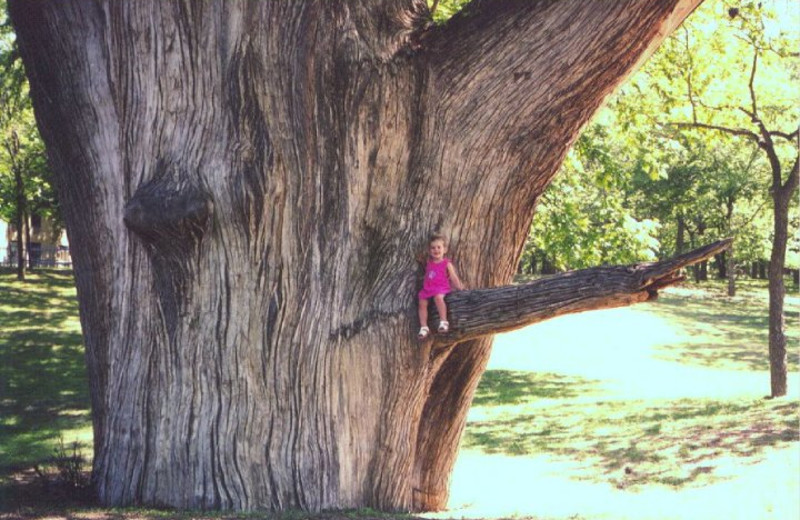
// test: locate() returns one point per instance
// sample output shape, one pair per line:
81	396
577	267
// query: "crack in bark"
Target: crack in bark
360	324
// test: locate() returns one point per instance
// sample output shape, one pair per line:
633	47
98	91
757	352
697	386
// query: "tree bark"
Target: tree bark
730	265
782	194
12	148
731	271
680	239
246	186
721	264
22	224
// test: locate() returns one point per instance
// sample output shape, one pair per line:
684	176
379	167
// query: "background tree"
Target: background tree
584	217
758	60
25	187
728	82
246	187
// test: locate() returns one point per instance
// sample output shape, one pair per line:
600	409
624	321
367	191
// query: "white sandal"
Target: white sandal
443	327
424	332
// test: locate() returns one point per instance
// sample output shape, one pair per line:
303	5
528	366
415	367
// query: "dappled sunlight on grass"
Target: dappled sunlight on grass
43	387
726	332
654	411
501	387
626	443
539	486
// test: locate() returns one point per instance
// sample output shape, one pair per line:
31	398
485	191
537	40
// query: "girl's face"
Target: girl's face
437	250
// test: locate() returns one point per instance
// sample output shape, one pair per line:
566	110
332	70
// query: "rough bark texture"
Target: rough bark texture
478	312
246	186
21	222
730	263
20	219
782	194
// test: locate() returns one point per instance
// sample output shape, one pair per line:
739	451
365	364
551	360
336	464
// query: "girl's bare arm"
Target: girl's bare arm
451	272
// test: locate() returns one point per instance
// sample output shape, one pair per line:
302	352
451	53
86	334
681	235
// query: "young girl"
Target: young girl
438	274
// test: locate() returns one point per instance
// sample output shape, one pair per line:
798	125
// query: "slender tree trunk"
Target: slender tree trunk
28	250
22	223
731	269
701	269
730	263
721	263
246	186
12	148
782	195
777	293
680	239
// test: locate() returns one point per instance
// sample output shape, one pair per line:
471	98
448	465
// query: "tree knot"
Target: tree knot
170	213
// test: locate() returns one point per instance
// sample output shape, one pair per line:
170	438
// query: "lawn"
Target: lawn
617	407
44	392
651	411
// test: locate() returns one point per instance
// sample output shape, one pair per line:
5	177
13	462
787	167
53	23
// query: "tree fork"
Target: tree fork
260	352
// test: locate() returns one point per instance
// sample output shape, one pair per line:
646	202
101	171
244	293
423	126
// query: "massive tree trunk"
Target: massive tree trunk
246	186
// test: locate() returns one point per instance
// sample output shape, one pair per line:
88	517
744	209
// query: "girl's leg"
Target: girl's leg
441	306
423	312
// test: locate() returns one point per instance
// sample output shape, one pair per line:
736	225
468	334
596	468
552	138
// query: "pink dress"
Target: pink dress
436	279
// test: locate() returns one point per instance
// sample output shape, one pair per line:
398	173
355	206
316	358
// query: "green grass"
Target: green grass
728	332
632	442
44	392
629	443
503	387
625	442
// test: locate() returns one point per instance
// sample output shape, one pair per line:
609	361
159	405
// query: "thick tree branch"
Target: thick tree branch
733	131
510	61
788	136
480	312
751	86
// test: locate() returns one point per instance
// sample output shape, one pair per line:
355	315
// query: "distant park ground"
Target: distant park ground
650	412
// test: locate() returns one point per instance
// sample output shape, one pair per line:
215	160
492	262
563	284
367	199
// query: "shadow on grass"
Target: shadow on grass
628	443
727	332
498	387
43	384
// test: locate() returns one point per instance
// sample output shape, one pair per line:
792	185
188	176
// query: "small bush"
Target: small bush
69	463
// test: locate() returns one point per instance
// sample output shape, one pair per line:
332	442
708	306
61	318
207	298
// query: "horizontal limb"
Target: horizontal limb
482	312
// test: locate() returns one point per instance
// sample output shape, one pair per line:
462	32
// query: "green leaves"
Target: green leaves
635	180
21	148
445	9
583	219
